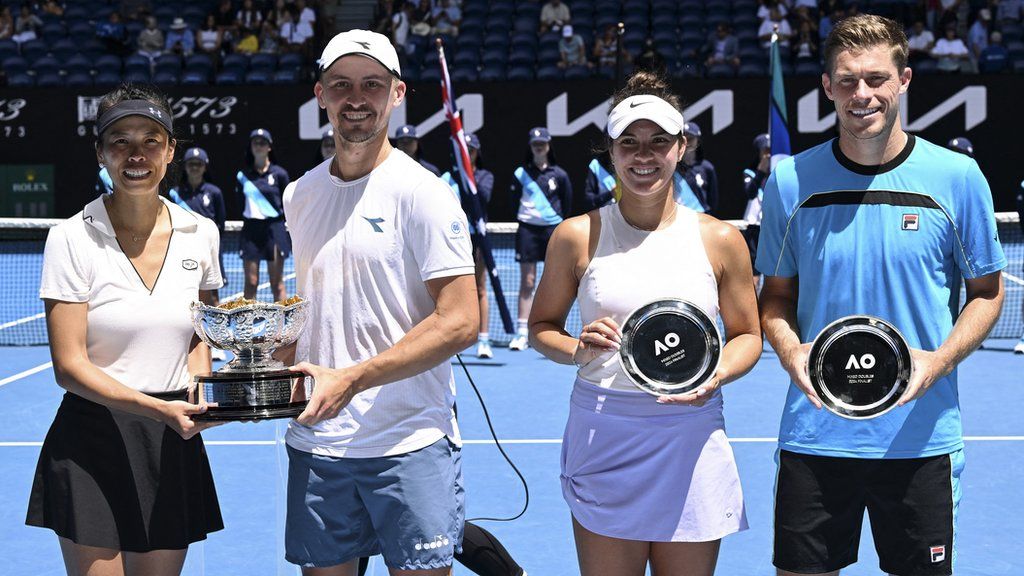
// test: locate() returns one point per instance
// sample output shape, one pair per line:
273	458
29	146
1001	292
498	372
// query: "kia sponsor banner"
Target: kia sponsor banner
57	127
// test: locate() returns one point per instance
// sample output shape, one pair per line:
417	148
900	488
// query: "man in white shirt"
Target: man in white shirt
554	15
764	33
382	253
951	52
920	42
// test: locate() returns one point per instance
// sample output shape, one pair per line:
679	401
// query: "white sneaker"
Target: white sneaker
218	354
519	343
483	350
1019	348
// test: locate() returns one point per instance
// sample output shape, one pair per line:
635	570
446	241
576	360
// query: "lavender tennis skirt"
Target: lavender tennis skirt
638	470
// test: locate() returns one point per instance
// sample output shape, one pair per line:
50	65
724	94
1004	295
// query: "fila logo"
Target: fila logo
671	341
910	222
867	362
938	554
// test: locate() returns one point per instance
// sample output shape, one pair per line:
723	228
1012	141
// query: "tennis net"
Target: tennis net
22	321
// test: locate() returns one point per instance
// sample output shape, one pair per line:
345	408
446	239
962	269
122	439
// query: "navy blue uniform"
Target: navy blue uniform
263	229
207	201
542	199
599	189
703	179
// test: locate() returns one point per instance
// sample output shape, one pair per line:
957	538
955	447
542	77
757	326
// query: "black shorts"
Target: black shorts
751	234
115	480
265	239
911	503
532	242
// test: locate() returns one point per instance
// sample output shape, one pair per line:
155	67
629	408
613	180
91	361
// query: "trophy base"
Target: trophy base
250	396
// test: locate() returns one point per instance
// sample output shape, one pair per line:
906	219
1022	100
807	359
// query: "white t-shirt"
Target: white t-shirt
921	41
363	252
139	338
954	47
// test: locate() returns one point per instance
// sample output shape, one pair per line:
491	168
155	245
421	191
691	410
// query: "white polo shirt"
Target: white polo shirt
138	337
363	252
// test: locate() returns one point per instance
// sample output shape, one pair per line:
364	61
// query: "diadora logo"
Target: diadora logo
938	554
670	342
438	541
374	222
910	222
867	362
189	264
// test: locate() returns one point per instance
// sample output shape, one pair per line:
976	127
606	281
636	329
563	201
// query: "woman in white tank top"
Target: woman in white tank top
647	479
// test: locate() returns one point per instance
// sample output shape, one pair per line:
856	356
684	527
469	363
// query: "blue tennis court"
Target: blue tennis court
527	397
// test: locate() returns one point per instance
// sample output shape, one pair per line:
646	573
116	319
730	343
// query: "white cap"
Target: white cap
364	43
645	107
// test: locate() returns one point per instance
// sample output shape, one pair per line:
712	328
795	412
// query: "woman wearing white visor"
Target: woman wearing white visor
647	479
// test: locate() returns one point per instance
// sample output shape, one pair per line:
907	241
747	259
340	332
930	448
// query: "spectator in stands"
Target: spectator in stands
275	14
920	43
951	52
698	173
210	38
995	56
26	25
113	34
261	185
554	15
571	49
805	49
134	10
1009	11
962	145
6	23
295	34
422	17
977	36
248	19
604	47
802	14
270	40
408	142
401	27
180	40
225	15
775	19
722	47
248	42
954	12
764	9
447	18
52	8
306	14
150	42
649	59
829	20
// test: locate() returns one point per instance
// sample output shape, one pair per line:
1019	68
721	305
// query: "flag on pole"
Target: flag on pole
778	119
465	168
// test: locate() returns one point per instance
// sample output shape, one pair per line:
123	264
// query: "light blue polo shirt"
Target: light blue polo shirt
891	241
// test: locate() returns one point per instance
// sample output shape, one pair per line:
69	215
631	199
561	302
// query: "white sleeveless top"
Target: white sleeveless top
632	268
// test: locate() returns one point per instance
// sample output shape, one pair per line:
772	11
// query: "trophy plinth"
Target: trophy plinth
253	386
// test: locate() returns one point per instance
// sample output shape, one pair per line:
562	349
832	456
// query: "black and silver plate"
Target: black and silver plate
859	366
250	396
669	346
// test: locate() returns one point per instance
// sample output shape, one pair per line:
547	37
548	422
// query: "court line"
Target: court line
516	441
26	373
1013	278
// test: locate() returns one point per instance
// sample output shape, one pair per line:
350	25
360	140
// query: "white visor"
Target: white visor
645	107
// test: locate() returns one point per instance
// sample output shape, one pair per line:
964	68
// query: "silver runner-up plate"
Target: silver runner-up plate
859	366
669	346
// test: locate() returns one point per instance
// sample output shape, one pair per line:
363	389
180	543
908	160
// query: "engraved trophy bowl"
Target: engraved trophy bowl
253	386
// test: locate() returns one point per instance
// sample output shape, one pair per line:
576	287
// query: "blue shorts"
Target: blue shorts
532	242
265	240
410	508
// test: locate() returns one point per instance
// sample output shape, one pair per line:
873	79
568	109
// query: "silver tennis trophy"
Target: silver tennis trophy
859	366
669	346
253	386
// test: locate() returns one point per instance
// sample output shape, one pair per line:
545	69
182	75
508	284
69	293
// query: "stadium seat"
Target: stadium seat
549	73
166	78
34	50
257	77
522	57
494	56
492	73
235	62
8	48
288	76
464	74
21	81
520	73
78	80
46	65
1018	67
53	31
431	74
137	76
752	70
263	62
170	63
290	60
49	80
230	77
80	31
107	78
721	71
136	62
108	63
577	73
63	49
466	58
195	77
199	63
14	66
548	56
807	68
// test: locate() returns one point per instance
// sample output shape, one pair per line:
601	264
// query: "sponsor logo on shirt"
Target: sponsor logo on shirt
910	222
374	222
189	264
456	228
938	554
552	185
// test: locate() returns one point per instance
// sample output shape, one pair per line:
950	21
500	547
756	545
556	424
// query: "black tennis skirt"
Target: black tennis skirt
115	480
264	239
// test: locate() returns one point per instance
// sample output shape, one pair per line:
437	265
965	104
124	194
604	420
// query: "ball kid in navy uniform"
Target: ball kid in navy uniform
197	194
408	141
542	196
264	237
